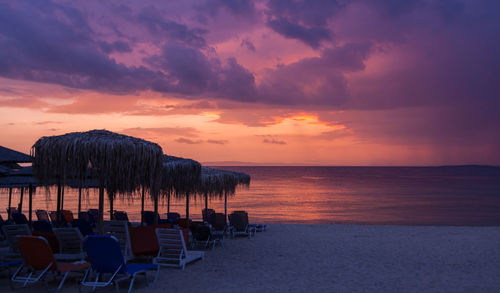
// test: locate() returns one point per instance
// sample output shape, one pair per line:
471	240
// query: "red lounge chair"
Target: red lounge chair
38	257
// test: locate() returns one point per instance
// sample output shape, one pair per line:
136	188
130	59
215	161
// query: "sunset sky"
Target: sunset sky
274	82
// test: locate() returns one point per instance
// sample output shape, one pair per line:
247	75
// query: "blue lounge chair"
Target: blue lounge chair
106	257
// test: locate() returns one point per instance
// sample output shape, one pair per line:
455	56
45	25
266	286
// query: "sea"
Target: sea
436	196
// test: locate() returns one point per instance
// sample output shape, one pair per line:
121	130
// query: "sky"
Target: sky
278	82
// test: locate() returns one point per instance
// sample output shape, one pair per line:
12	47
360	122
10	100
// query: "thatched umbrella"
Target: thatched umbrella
180	178
218	183
20	178
123	164
9	160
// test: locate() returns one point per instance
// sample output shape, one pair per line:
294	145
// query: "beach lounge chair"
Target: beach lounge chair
7	265
173	251
42	226
42	215
39	260
239	225
120	216
149	218
258	227
120	230
105	256
84	227
70	244
11	233
202	237
206	214
219	227
68	216
173	218
19	218
10	211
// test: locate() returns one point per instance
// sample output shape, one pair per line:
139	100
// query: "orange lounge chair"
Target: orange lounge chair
38	257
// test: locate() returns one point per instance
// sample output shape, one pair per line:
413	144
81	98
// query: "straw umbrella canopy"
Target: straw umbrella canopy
221	183
122	163
20	178
9	160
180	178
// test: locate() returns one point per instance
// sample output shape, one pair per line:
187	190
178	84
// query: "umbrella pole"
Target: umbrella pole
142	207
110	208
10	203
79	200
20	207
168	202
30	190
187	208
156	210
62	201
206	201
101	203
225	205
58	208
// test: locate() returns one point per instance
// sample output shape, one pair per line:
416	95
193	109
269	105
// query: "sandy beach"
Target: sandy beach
340	258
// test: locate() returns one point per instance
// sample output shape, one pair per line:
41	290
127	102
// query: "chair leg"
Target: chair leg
131	283
62	281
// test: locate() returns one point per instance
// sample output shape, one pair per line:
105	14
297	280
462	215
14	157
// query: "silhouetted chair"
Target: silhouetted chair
19	218
42	226
84	226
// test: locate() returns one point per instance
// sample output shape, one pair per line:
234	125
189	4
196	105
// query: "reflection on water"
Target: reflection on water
369	195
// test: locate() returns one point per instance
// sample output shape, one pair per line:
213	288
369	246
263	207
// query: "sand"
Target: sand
340	258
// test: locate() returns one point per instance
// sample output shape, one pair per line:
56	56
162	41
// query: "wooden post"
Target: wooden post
156	210
187	209
62	201
142	207
101	203
168	202
20	207
10	203
111	208
30	191
225	205
58	208
79	200
206	201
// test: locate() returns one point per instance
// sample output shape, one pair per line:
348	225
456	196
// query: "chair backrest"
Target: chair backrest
202	233
12	232
93	216
84	226
120	216
218	221
53	216
171	242
207	214
19	218
239	221
42	215
120	230
36	252
104	253
42	226
70	240
173	217
68	216
12	210
149	217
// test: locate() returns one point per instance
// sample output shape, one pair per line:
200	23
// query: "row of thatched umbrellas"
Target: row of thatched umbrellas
125	165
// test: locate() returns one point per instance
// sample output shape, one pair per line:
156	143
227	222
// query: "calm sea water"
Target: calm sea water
467	195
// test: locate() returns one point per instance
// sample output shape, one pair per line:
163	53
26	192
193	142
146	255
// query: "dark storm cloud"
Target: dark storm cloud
170	30
313	36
